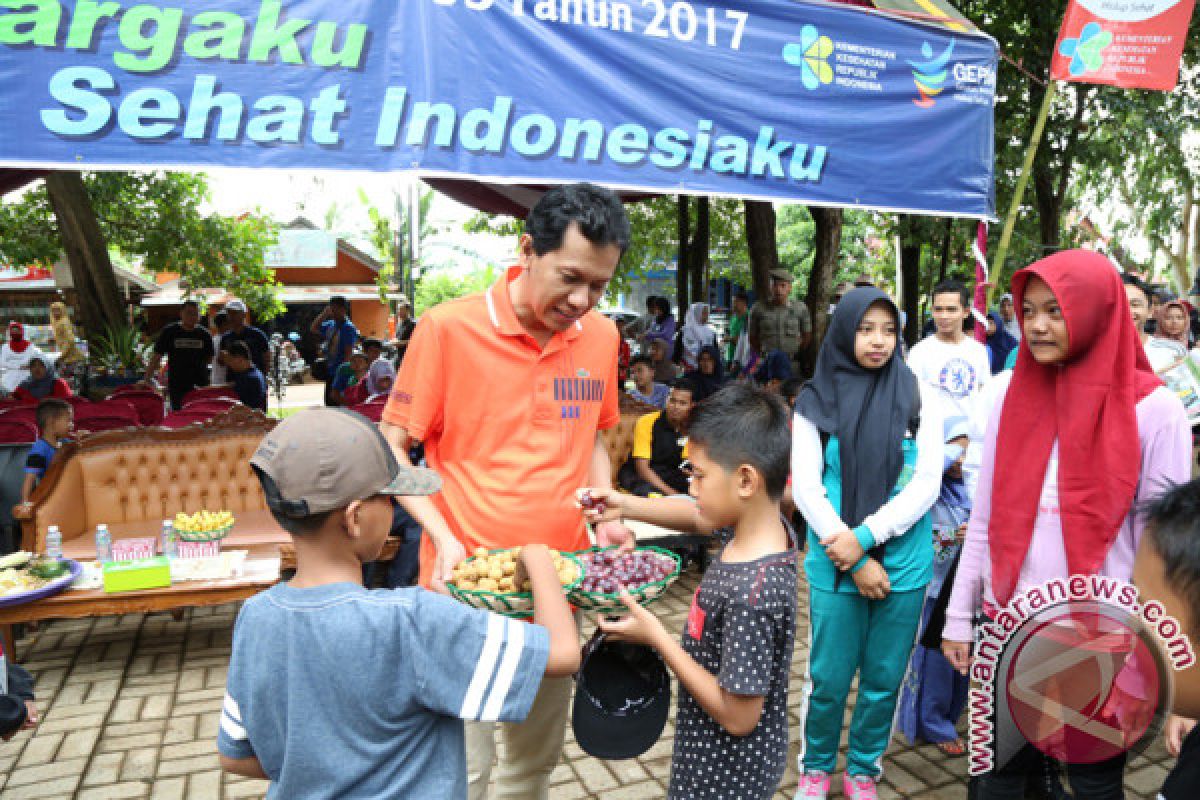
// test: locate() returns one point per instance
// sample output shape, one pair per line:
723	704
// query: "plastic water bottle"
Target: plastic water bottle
169	548
54	542
103	544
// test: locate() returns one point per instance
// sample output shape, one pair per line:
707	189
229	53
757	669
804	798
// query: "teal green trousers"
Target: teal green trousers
873	638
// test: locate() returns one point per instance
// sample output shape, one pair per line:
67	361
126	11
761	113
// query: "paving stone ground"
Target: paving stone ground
130	707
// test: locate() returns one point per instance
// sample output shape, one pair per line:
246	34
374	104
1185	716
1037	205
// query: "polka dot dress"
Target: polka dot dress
741	628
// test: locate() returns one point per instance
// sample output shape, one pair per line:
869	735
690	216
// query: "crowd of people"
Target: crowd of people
929	489
920	492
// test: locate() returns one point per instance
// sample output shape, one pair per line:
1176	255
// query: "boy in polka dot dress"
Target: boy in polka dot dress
731	738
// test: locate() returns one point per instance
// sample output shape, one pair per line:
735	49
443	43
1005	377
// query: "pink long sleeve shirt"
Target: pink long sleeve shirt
1166	444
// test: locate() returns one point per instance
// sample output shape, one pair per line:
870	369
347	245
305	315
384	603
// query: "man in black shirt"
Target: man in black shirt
660	446
239	331
405	325
189	351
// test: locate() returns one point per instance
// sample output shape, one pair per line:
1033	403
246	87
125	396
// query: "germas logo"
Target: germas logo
930	75
1087	51
811	55
1078	668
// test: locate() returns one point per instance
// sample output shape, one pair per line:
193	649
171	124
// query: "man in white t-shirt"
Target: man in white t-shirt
221	323
951	361
957	366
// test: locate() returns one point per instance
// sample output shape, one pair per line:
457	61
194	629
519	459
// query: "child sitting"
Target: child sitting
731	727
344	692
1167	570
42	383
54	420
349	375
645	388
246	378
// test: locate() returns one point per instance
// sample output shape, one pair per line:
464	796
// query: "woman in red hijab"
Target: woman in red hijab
15	355
1084	433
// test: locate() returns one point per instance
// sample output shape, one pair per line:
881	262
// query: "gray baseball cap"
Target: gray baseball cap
326	458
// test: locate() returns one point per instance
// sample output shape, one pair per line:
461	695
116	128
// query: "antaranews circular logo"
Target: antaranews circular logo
1078	668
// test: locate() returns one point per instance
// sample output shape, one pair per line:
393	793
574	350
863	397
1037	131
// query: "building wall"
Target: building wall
347	270
370	317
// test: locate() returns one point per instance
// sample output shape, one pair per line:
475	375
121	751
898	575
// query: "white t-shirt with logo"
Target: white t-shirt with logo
957	371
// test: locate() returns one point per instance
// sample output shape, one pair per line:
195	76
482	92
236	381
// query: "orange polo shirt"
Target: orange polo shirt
508	425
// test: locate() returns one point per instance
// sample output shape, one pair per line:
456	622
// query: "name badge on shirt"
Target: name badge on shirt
695	617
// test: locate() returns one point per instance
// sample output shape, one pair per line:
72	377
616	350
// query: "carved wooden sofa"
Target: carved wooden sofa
619	439
134	478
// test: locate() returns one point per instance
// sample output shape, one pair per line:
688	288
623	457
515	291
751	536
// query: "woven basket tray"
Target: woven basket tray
611	603
205	536
510	604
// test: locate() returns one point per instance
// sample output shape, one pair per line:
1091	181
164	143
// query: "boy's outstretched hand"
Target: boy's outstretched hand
639	627
604	509
600	505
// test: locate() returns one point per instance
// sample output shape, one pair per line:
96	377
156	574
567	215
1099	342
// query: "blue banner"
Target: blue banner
769	99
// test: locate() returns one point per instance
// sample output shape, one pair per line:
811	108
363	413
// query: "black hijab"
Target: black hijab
708	384
869	411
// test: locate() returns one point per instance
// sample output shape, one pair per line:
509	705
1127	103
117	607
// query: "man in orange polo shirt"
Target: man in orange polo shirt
509	390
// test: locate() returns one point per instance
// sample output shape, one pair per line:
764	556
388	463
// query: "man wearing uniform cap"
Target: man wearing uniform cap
239	331
777	323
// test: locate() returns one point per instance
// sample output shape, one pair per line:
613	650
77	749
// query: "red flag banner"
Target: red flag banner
1135	44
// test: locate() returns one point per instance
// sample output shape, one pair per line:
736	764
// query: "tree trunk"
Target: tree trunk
681	261
86	250
828	242
943	263
760	242
698	253
910	269
1049	211
1194	207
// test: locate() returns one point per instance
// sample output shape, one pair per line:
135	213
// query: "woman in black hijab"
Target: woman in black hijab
865	484
709	374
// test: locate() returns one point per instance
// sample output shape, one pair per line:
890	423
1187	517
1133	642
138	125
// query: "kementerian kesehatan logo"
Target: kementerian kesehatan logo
1087	51
930	73
811	55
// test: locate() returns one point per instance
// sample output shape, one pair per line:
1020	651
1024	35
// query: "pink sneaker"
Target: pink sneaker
813	786
859	787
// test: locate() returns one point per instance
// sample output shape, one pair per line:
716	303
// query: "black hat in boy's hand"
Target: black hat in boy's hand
622	696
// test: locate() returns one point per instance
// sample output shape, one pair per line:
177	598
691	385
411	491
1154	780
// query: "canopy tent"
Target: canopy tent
812	102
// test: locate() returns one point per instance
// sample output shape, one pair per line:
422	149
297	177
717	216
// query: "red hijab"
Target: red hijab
16	337
1088	405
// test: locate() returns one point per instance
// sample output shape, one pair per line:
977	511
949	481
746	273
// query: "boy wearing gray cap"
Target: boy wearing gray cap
337	691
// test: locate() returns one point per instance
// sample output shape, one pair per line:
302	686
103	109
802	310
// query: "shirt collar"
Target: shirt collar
504	316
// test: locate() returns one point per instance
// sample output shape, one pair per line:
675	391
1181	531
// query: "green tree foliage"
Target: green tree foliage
439	287
1105	144
655	238
383	236
154	217
1145	155
865	248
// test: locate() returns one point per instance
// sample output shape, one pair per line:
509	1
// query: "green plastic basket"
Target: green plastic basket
611	603
205	536
510	604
